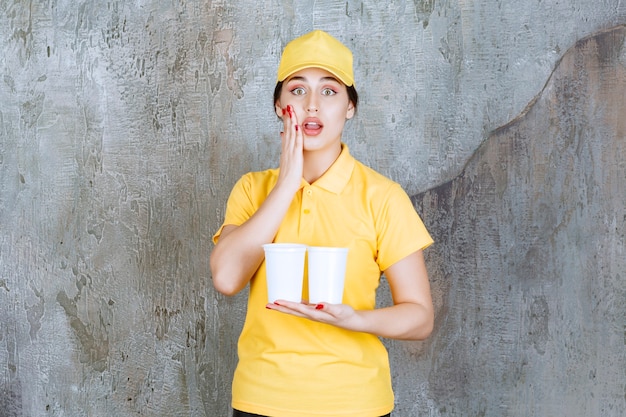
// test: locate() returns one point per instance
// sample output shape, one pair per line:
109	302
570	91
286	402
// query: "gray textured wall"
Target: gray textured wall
530	268
123	126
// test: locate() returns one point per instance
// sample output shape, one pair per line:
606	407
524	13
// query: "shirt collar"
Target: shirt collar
339	173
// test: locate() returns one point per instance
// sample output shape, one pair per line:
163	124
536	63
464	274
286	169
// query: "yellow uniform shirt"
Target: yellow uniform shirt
289	366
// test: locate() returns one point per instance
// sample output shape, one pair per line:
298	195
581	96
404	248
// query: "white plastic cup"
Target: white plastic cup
327	272
284	266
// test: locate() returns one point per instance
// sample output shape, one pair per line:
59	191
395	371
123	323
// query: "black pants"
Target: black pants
237	413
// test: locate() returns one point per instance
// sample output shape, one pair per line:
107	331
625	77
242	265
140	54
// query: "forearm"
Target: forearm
406	321
239	251
412	315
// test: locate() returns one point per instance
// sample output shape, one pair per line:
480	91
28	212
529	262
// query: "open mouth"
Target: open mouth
312	127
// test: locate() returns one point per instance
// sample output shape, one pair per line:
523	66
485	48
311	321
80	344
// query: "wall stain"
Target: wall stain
10	82
164	316
31	109
222	42
94	347
34	314
11	399
539	317
423	9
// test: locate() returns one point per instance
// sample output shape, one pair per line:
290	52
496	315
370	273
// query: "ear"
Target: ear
350	111
278	109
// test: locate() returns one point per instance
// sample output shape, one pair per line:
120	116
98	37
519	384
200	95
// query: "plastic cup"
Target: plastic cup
284	266
327	272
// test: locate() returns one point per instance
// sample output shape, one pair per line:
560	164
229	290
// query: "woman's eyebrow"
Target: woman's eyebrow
331	79
323	79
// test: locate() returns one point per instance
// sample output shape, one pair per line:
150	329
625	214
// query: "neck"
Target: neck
316	163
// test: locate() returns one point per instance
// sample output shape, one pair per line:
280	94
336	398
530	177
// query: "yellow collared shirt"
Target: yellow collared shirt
289	366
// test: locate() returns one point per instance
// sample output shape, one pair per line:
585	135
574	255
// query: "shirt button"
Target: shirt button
307	211
309	192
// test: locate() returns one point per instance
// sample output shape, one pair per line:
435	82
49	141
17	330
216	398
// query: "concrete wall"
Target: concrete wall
530	269
123	126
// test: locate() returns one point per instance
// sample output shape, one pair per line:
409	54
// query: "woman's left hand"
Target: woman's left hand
340	315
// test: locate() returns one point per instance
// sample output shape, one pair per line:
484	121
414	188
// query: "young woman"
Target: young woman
298	359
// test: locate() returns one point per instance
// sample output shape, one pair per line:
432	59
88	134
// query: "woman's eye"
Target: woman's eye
328	92
298	91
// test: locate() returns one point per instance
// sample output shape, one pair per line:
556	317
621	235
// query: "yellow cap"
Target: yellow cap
317	49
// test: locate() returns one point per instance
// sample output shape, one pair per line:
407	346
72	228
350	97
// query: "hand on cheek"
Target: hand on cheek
291	157
289	118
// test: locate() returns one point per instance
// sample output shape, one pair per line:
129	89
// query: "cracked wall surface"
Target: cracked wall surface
124	125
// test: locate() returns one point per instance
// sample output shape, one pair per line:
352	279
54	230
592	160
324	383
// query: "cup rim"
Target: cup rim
326	249
284	246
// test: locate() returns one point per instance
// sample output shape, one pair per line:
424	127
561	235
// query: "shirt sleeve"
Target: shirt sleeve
401	230
239	206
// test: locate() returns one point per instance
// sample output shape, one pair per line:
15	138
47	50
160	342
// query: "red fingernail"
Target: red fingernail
284	112
297	128
319	306
289	109
276	303
268	307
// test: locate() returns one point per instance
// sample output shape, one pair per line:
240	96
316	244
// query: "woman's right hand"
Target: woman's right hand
291	155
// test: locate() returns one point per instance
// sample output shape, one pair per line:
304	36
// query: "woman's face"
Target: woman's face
321	106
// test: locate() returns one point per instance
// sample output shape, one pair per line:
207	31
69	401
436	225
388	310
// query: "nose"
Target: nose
312	105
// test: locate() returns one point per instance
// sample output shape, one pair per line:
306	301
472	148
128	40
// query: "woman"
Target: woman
302	360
